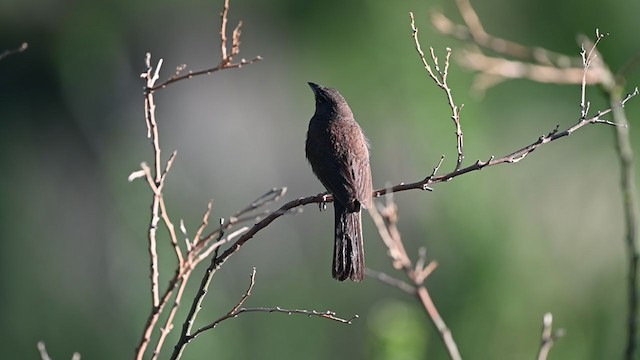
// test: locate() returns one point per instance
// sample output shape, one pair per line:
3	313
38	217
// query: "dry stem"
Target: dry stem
440	78
385	219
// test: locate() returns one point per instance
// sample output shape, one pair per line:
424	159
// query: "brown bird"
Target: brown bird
339	156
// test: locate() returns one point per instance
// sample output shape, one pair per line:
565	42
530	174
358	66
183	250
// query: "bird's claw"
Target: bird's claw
322	205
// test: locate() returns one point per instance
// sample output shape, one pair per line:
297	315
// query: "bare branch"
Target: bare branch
438	322
203	225
510	158
183	229
226	61
223	30
235	40
417	274
270	196
238	309
328	314
421	274
209	71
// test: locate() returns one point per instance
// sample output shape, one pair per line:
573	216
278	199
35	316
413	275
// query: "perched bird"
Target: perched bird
339	156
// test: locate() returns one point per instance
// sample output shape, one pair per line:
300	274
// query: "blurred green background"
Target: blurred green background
513	242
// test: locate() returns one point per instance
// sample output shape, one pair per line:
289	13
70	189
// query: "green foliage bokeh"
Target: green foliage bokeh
512	242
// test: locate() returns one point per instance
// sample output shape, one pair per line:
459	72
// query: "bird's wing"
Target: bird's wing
353	167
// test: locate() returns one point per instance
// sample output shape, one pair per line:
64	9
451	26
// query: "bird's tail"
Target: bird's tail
348	251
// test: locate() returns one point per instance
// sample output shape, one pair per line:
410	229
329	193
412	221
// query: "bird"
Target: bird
338	153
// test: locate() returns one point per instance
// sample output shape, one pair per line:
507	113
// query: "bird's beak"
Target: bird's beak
314	87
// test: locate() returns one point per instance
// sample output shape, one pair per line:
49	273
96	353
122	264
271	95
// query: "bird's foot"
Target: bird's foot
322	205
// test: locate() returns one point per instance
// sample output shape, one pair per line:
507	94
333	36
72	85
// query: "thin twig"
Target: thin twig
438	322
193	312
44	355
164	331
223	30
270	196
152	132
42	349
226	61
23	47
203	225
209	71
548	336
238	309
440	78
329	315
391	281
157	190
421	274
587	59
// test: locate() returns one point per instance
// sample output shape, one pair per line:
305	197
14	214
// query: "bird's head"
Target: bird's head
329	101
